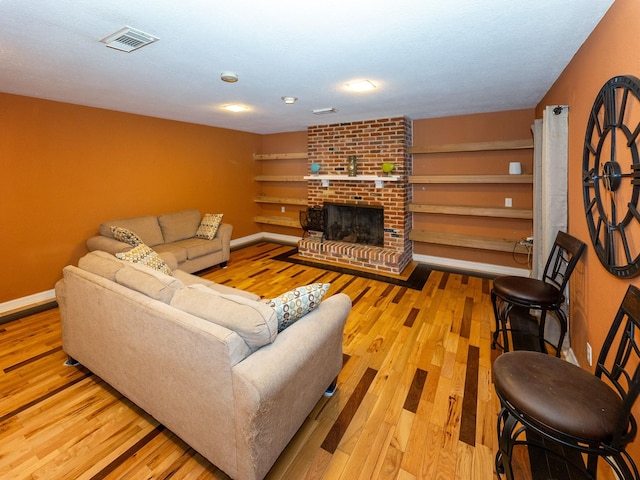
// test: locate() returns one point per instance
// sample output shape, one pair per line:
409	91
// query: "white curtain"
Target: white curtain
550	159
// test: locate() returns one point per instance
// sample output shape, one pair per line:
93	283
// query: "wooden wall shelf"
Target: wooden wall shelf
275	220
474	147
500	212
279	156
279	178
281	200
471	179
469	241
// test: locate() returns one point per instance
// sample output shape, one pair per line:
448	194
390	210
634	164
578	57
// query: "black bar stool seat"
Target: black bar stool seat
557	395
529	291
580	417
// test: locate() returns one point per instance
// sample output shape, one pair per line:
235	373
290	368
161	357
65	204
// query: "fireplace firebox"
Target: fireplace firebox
363	224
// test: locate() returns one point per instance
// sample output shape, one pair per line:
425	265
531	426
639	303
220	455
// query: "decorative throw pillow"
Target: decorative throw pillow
296	303
209	226
145	255
126	236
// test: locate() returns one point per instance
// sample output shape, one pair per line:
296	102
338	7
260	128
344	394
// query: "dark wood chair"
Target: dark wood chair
546	295
547	401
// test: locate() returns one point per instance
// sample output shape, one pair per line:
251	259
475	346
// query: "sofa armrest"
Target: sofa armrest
276	387
106	244
224	233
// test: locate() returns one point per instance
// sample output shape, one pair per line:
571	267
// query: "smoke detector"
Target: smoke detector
229	77
128	39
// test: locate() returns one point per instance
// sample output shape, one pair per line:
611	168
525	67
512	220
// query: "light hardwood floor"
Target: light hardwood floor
415	398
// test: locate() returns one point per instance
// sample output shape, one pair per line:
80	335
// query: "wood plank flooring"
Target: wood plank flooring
415	398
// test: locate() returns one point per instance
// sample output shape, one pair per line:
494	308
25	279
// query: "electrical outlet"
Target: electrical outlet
508	202
282	209
589	355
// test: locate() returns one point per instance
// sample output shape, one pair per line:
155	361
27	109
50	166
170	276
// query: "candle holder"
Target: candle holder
352	166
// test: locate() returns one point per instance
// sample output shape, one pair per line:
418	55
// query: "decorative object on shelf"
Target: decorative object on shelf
315	168
387	168
352	166
515	168
611	175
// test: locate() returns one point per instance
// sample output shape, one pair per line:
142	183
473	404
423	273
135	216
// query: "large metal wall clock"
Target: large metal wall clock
611	176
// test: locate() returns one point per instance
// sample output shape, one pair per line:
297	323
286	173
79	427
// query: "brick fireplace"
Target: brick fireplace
372	142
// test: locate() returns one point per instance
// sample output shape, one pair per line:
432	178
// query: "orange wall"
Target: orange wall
610	50
67	168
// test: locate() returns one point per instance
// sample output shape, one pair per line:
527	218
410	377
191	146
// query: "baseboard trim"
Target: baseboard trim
481	269
28	301
439	262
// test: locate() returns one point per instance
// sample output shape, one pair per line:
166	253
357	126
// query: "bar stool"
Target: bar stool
546	295
564	404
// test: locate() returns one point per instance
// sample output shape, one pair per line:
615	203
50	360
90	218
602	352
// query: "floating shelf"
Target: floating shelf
279	178
474	147
500	212
279	156
469	241
281	200
378	180
274	220
470	179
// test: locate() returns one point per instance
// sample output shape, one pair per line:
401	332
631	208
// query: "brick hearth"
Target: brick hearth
372	142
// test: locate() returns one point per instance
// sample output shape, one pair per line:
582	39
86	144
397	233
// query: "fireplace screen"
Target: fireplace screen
354	224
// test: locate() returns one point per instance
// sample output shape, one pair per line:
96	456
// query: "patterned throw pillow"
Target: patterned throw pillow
296	303
145	255
126	236
209	226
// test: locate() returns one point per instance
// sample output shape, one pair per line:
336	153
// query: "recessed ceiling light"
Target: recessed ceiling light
229	77
361	86
235	108
289	100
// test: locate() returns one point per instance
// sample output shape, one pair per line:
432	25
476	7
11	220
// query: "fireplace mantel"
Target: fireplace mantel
378	180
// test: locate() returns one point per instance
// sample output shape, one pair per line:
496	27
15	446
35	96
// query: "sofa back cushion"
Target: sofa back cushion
146	228
179	225
101	263
254	321
148	281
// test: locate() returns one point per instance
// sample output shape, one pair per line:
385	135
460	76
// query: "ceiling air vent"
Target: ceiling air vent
128	39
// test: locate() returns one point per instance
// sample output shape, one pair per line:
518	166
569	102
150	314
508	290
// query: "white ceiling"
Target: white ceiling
429	58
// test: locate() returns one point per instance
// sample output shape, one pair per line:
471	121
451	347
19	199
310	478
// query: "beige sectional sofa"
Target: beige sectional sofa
229	385
173	233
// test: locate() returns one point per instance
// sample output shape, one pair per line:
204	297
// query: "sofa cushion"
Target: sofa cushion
190	279
148	281
294	304
180	253
146	228
209	226
254	321
126	236
101	263
145	255
197	247
179	225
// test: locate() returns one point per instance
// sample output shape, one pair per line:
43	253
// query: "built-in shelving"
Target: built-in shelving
276	220
474	147
469	241
264	198
423	153
471	179
279	178
281	200
496	212
279	156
